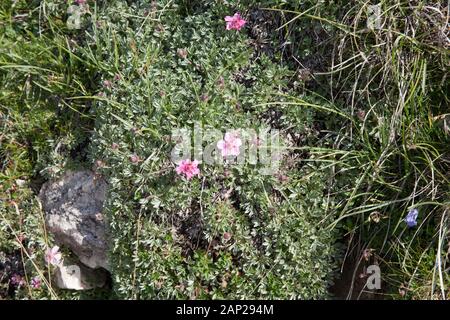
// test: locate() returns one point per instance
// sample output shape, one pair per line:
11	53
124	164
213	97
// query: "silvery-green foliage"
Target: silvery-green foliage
231	233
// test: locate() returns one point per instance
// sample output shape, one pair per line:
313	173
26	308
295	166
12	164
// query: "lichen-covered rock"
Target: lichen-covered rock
73	206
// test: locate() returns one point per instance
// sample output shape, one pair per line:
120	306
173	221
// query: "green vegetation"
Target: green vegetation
363	113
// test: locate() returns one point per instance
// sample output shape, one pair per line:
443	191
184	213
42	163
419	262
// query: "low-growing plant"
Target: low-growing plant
229	232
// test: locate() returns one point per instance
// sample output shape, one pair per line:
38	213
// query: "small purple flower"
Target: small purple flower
36	282
17	280
411	218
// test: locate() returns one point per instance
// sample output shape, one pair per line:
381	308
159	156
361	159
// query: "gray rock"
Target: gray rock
73	206
78	277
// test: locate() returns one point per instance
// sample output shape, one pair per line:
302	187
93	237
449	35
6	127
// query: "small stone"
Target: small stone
20	183
78	277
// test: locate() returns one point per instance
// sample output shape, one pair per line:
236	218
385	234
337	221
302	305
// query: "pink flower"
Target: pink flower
107	84
134	158
36	282
230	145
53	256
235	22
227	236
17	280
80	2
188	168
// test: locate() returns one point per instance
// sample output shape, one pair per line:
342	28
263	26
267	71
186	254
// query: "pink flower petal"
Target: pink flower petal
235	22
188	168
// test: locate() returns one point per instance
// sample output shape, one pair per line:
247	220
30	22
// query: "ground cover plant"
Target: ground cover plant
231	232
357	97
